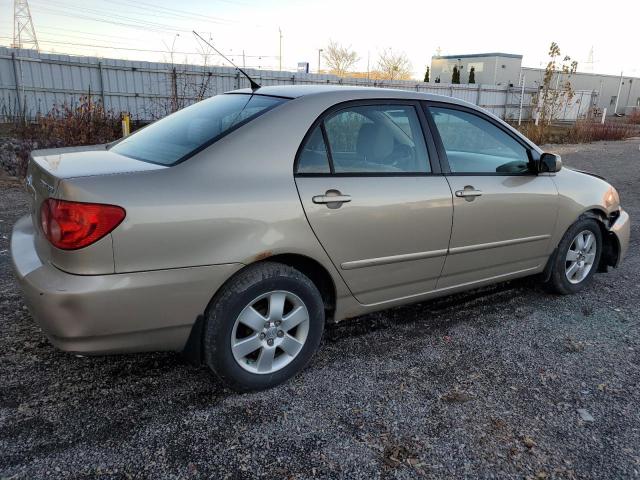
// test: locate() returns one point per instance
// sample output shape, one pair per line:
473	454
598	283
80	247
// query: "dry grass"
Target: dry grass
634	118
583	131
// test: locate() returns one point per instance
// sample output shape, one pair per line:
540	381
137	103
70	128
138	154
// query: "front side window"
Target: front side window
377	139
173	138
475	145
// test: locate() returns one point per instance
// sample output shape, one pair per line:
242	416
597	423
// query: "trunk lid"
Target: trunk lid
45	172
48	167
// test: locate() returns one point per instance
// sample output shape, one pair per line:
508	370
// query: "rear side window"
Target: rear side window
377	139
313	157
179	135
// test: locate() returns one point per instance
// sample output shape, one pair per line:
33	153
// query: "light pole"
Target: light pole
320	50
280	56
173	44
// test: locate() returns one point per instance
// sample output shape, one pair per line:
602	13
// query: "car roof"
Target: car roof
297	91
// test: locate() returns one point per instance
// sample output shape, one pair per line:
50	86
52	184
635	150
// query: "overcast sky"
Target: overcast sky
418	28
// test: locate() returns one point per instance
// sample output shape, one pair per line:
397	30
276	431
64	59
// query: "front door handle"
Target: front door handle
332	198
469	193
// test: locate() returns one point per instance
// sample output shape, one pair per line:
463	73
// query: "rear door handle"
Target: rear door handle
332	198
468	192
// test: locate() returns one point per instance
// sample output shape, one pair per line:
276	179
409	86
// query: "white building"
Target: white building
618	94
489	68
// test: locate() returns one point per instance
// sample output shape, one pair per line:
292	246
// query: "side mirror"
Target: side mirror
550	163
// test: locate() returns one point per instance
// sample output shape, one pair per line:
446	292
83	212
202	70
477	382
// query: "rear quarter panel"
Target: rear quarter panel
235	202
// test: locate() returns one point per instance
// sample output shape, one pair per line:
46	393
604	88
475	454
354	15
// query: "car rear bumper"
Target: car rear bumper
621	228
131	312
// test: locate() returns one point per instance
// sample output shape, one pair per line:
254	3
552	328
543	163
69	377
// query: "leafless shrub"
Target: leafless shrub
86	123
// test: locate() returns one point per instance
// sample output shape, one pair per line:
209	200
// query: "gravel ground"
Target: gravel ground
506	382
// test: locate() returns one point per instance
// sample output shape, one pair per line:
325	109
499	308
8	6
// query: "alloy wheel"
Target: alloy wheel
270	332
580	256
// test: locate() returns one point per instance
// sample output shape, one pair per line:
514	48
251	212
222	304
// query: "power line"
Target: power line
166	11
148	50
158	28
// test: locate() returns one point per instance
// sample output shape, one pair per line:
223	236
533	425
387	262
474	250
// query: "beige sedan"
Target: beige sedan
234	229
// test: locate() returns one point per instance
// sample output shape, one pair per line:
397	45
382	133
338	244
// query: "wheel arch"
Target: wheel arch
610	244
314	270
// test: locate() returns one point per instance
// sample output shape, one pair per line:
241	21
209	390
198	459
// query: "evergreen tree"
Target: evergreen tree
426	75
472	75
455	75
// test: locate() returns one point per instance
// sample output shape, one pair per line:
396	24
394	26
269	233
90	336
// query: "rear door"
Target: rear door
503	212
374	199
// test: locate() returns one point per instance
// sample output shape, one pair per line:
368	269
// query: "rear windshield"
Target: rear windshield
176	137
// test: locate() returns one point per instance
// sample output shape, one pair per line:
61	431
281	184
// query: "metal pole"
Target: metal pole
243	60
615	110
604	114
521	101
320	50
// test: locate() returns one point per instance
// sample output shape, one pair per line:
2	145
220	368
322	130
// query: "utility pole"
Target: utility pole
320	50
280	56
24	33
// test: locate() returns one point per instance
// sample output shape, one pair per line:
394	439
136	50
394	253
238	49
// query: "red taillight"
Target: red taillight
73	225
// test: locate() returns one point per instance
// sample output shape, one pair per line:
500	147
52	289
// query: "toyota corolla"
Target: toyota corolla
234	229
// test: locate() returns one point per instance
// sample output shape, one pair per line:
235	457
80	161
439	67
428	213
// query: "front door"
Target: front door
369	193
503	213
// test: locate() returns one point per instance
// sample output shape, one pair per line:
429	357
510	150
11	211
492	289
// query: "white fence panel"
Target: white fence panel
34	83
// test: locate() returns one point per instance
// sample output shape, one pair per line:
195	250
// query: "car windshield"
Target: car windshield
176	137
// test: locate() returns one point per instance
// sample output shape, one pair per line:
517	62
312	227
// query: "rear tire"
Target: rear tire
577	257
263	327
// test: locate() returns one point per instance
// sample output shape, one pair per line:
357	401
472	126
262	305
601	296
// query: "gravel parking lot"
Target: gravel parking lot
506	382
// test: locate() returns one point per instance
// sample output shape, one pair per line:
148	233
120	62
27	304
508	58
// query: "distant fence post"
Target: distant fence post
521	102
100	74
174	90
14	61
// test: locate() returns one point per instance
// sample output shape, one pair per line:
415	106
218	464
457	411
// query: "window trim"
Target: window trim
430	145
442	154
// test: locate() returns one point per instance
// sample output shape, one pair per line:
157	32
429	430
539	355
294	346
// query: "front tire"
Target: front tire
577	257
263	327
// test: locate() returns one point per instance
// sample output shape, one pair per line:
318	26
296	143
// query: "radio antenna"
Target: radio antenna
254	85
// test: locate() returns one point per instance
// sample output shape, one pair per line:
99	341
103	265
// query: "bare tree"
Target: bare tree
338	58
555	92
393	66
